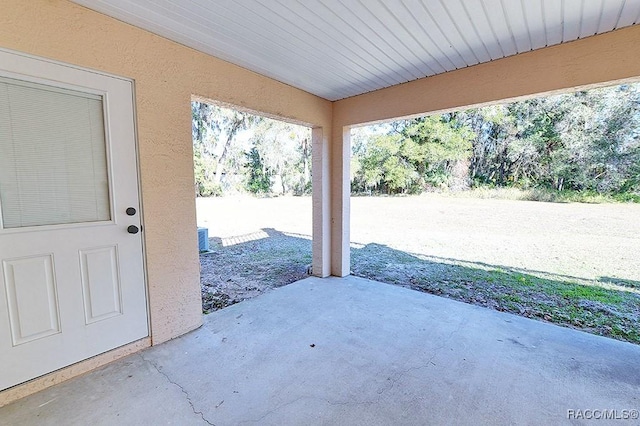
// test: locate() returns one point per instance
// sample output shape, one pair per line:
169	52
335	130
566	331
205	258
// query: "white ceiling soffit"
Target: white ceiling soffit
341	48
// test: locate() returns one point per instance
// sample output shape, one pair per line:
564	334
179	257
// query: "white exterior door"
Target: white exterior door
72	279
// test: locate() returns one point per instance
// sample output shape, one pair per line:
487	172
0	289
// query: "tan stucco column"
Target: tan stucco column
340	201
321	245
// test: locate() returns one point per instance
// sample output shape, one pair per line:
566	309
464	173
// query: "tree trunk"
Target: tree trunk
225	148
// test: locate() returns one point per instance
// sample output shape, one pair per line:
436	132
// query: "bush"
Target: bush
209	189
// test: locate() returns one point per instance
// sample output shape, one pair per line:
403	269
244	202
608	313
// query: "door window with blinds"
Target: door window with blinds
53	159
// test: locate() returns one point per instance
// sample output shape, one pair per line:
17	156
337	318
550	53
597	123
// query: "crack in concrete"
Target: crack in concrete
311	397
186	394
279	407
437	350
351	403
387	388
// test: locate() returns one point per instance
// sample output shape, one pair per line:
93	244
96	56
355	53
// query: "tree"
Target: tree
228	123
586	140
204	142
602	138
284	151
214	130
259	178
412	155
435	145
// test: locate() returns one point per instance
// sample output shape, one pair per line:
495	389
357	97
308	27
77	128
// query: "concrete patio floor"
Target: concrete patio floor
352	352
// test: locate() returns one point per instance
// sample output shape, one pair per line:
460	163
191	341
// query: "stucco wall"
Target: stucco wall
166	75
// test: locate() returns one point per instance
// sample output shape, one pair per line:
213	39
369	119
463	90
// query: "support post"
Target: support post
321	203
340	202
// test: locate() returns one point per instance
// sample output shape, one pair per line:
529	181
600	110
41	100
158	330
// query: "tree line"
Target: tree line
582	141
275	157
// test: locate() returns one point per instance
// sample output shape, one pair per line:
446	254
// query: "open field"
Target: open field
586	241
572	264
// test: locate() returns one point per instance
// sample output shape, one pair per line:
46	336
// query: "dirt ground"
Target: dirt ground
464	248
256	244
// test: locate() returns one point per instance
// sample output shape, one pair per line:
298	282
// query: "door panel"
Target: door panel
100	283
72	282
31	294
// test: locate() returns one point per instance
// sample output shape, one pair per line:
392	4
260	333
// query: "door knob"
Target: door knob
132	229
130	211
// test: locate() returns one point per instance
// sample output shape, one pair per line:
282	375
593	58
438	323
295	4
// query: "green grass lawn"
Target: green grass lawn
603	308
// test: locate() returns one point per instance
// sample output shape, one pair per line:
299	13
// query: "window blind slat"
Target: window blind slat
53	164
